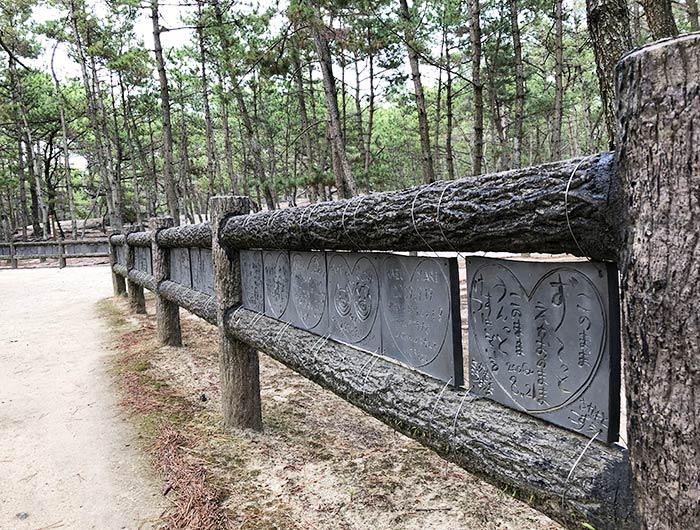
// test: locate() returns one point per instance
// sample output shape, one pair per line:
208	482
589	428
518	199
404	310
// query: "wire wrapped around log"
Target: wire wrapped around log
143	279
559	207
198	235
139	239
505	447
202	305
120	269
117	240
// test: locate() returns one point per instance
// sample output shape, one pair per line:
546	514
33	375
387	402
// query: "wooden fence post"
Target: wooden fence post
61	254
238	362
659	168
118	281
13	255
167	313
137	301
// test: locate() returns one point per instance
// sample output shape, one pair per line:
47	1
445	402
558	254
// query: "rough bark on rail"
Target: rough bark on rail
118	240
143	279
139	239
198	235
120	269
523	210
202	305
505	447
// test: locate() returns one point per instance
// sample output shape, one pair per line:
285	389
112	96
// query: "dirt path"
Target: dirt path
68	457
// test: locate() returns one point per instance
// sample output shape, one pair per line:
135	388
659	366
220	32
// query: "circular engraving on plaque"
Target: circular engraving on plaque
277	276
309	287
417	308
354	291
542	348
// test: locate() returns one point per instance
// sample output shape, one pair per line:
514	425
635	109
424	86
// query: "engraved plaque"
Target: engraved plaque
277	277
142	259
252	280
202	270
544	339
180	266
353	299
309	291
421	316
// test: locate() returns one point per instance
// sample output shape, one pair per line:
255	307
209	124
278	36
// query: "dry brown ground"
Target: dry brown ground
320	463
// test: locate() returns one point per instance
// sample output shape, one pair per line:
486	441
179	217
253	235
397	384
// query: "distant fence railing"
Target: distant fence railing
60	249
316	289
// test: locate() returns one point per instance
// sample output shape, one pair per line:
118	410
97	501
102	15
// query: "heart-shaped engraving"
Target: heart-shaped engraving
417	305
354	297
541	347
277	276
309	287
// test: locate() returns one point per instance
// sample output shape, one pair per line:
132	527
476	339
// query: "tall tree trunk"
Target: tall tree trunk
345	183
103	161
20	149
475	38
370	115
519	86
358	114
423	127
692	8
228	146
449	127
309	159
208	129
66	154
168	174
609	27
659	15
558	80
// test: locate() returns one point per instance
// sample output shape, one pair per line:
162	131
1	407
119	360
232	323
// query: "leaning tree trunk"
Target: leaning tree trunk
475	38
659	103
609	27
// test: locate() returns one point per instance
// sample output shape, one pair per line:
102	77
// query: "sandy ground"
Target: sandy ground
68	457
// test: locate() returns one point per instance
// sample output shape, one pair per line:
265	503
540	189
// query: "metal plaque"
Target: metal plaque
202	270
277	278
180	268
421	316
353	299
544	338
142	259
252	280
309	291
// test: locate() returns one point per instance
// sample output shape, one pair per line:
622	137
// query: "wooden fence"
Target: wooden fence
638	207
60	249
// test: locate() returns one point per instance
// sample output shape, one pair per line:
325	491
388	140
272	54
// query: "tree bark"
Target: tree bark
238	362
208	129
692	8
517	211
659	171
423	127
345	182
609	27
558	80
519	86
168	174
659	15
475	38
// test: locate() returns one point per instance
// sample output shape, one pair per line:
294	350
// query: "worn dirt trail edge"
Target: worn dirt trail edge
68	456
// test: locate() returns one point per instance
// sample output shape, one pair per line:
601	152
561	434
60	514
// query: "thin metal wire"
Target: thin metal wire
437	219
283	330
437	400
364	382
269	221
345	230
413	215
566	207
576	463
